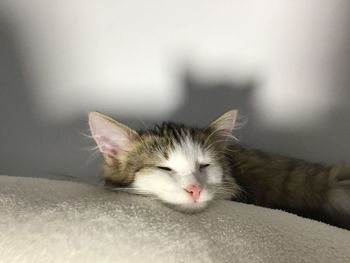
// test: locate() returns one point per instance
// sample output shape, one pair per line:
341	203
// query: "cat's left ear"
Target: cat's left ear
223	126
111	137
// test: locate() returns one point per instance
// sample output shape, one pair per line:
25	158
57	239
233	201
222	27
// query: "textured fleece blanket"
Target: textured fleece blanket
59	221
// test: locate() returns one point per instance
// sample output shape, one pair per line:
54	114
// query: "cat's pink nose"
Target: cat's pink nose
194	190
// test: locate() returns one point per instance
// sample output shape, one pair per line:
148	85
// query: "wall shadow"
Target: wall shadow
205	101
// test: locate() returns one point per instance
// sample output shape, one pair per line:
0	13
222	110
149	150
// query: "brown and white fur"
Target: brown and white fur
186	168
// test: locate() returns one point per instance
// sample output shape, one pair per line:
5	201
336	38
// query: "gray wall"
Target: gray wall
31	145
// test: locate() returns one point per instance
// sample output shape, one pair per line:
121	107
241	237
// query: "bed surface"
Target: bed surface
45	220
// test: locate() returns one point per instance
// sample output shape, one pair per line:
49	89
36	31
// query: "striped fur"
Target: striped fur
308	189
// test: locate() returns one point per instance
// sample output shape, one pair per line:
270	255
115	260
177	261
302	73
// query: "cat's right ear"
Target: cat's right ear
111	137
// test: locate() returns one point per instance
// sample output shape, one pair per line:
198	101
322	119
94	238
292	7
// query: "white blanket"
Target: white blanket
59	221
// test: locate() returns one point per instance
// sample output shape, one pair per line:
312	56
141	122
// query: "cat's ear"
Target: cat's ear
223	125
111	137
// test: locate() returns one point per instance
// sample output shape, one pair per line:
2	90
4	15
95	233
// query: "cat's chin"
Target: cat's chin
190	208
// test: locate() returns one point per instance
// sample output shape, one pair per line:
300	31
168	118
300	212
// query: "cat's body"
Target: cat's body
188	167
307	189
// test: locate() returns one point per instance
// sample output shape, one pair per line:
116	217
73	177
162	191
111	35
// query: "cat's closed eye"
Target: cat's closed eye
164	168
202	166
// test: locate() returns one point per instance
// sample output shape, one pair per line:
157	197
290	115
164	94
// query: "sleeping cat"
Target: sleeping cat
186	168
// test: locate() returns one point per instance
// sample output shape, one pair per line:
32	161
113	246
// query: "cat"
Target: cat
188	167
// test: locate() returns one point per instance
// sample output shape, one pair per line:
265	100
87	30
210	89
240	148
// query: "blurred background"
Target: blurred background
284	64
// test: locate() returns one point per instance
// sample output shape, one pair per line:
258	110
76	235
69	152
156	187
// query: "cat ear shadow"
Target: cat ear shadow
111	137
223	126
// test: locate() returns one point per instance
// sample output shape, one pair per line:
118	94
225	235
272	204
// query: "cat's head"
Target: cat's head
183	167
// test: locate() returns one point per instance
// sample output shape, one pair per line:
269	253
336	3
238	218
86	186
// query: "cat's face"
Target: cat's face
181	166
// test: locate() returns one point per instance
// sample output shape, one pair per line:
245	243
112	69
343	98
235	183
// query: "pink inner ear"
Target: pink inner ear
110	138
